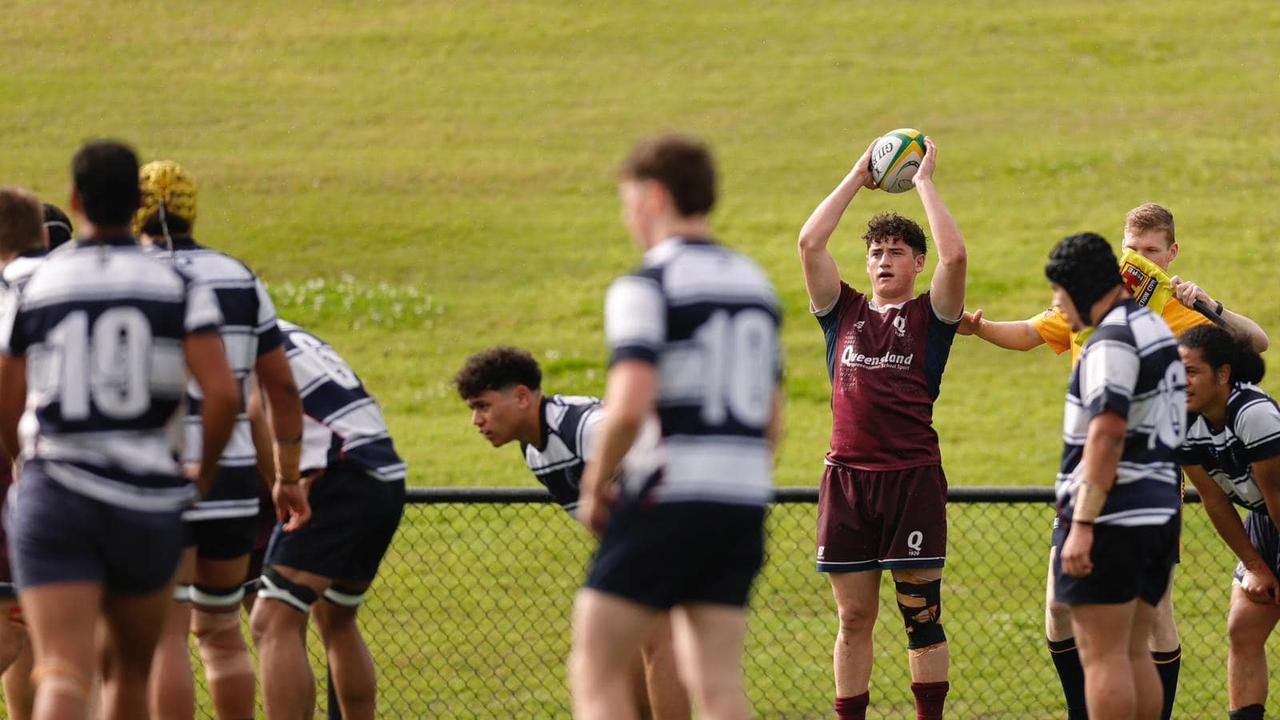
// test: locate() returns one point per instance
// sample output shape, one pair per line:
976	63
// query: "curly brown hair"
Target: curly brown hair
888	225
496	369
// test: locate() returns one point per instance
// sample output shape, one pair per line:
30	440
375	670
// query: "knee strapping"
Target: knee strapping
343	597
217	597
277	587
921	607
61	677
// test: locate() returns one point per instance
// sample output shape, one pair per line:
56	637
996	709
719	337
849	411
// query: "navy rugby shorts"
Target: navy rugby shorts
1128	563
353	519
672	554
60	536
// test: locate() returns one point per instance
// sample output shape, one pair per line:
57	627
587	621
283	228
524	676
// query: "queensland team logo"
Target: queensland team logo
900	324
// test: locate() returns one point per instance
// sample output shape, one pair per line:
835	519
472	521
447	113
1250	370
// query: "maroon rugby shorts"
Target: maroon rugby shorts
895	519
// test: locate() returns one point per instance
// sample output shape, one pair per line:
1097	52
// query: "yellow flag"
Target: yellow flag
1148	283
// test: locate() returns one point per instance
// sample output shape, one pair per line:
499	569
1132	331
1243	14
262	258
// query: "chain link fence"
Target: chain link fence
469	617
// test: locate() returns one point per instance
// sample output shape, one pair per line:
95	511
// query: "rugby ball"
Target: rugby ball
895	159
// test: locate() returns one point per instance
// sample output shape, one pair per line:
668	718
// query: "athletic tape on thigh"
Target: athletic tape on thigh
182	593
277	587
343	598
61	677
922	612
217	597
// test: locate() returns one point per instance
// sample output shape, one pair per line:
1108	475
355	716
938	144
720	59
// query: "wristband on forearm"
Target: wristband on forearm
1220	308
1089	501
288	460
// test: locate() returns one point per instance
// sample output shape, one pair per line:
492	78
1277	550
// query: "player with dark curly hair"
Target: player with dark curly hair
503	388
1232	455
882	501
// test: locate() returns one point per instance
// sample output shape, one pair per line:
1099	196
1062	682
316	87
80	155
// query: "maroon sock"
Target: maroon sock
853	708
929	697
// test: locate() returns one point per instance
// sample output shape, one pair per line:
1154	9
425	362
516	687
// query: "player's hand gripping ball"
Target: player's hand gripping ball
895	158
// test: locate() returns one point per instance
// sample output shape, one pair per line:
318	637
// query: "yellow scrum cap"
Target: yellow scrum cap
165	182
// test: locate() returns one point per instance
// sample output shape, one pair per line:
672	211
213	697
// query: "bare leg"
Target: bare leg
857	603
280	632
608	632
1057	616
172	694
1248	626
228	666
350	664
19	693
1104	634
709	643
134	624
668	699
62	618
1164	628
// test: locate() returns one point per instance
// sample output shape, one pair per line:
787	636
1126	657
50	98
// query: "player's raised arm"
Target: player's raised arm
946	292
821	275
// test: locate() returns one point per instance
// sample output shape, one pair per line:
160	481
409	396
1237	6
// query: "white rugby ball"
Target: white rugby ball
895	158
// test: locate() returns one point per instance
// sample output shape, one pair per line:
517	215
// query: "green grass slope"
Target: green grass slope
451	165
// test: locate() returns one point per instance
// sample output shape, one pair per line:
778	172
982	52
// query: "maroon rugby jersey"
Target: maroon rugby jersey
885	368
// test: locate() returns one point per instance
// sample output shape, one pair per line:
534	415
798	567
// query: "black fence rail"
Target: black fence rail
469	617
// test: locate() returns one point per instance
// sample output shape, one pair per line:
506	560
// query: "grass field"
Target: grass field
417	181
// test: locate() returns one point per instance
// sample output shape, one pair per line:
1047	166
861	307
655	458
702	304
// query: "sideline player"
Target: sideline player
1118	488
22	241
355	481
102	338
882	502
1232	455
57	227
503	388
693	336
222	527
1148	231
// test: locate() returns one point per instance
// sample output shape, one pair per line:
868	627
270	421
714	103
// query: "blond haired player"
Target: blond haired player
1148	231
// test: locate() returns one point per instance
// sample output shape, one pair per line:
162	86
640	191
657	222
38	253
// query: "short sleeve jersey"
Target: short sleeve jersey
707	318
249	330
569	425
1053	328
102	327
1250	434
1130	366
342	424
885	366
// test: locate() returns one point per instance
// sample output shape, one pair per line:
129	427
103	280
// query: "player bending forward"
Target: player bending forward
882	502
1232	455
355	483
1118	490
503	388
693	336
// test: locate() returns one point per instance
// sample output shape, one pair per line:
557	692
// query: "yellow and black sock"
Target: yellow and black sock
1066	660
1168	665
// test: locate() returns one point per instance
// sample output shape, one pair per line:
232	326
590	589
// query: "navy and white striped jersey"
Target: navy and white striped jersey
342	423
1130	366
248	331
1251	434
102	328
18	271
569	425
708	318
